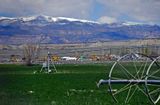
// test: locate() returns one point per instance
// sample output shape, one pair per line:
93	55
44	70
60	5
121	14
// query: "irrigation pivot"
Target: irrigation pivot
123	81
46	66
134	72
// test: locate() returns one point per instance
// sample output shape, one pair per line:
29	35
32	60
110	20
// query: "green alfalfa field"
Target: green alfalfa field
71	85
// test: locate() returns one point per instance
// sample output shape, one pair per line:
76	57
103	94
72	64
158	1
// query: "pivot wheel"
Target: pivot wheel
128	70
153	73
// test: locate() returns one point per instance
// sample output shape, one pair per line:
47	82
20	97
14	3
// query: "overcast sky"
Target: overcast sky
104	11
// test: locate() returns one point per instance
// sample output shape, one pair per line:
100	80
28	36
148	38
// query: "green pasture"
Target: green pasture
71	85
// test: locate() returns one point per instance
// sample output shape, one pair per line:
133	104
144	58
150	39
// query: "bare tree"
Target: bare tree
31	50
30	53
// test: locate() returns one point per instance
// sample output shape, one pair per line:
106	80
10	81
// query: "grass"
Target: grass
72	85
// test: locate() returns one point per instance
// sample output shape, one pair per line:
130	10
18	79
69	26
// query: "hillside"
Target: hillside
60	30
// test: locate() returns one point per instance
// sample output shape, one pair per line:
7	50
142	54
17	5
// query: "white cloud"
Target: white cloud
129	10
106	19
139	10
69	8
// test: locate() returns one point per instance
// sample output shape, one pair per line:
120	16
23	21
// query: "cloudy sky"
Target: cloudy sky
104	11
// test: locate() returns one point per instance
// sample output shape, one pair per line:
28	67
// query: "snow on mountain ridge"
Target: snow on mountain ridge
128	23
1	18
73	19
26	18
47	18
57	19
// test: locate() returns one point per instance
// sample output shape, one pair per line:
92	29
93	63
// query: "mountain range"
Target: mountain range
60	30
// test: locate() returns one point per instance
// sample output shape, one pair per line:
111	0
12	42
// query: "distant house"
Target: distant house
69	58
55	58
15	58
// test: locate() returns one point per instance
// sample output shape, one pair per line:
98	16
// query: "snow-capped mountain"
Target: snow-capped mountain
69	30
47	19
